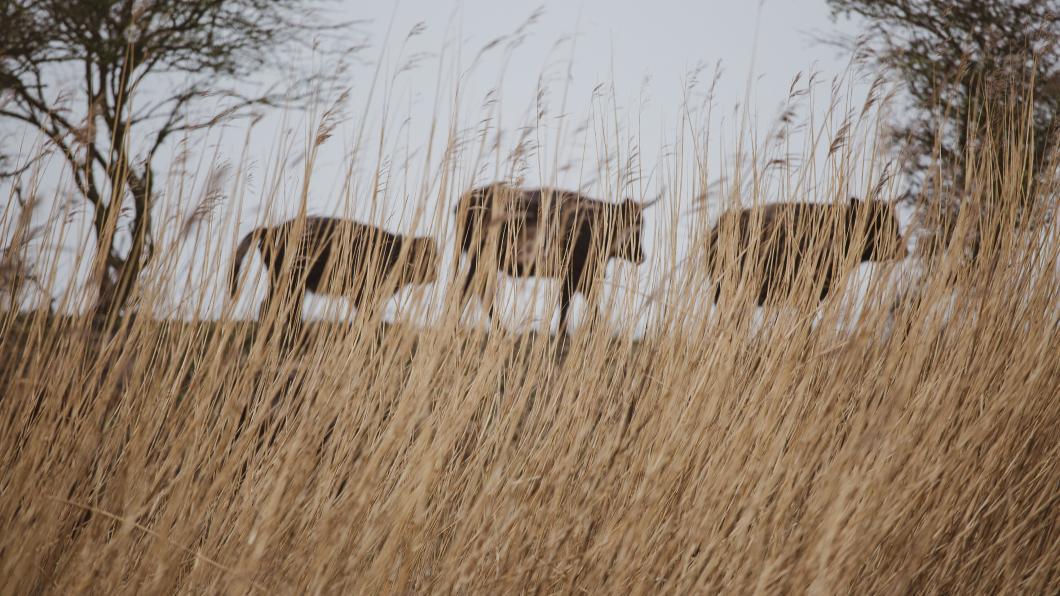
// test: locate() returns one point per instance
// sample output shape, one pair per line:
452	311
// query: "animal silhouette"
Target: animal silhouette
777	243
544	232
336	257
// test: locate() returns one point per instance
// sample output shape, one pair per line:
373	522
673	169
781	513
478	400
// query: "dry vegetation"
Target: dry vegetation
908	445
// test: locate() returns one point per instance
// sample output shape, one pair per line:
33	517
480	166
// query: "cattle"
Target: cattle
544	232
780	242
337	257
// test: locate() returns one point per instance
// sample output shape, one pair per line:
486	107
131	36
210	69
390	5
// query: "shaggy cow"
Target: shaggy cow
782	240
337	257
545	233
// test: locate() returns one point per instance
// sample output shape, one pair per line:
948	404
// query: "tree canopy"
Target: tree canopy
952	57
88	74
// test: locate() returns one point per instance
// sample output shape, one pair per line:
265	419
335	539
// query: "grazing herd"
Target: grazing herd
570	237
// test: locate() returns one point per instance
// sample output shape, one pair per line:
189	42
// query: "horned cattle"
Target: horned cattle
778	244
544	233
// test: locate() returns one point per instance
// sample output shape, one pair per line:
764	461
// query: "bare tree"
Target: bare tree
78	72
953	57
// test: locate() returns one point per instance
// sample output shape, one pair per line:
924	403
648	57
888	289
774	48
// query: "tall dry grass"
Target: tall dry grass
905	441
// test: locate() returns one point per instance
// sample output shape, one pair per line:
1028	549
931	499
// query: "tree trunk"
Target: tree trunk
122	274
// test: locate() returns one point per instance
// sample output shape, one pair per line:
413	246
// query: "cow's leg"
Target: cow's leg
585	265
714	266
577	281
274	306
481	284
717	280
763	293
297	300
281	303
279	288
291	311
270	298
826	286
489	297
487	292
469	281
284	299
566	296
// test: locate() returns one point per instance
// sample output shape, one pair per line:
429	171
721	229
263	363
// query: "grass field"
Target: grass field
795	448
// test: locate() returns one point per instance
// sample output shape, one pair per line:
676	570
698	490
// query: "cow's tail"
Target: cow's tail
710	251
250	240
469	226
462	244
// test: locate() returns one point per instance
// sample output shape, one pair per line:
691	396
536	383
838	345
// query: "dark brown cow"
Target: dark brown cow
508	229
780	240
337	257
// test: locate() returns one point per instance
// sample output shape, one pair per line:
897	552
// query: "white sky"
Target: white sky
646	49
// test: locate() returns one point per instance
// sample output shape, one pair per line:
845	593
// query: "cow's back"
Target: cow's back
530	228
326	244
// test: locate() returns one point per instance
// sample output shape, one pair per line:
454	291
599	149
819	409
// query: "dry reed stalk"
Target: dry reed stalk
909	448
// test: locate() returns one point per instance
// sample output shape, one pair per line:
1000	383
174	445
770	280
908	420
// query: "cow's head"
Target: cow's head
883	237
628	231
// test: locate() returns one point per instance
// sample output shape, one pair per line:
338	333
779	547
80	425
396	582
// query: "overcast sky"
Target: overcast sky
642	52
646	49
